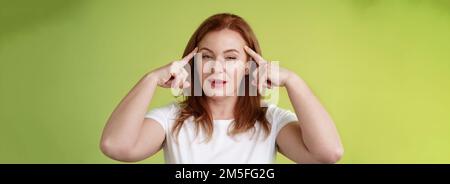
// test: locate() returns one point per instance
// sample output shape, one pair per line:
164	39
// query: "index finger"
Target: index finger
188	57
254	55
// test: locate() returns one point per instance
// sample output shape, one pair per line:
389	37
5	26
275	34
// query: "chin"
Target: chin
218	93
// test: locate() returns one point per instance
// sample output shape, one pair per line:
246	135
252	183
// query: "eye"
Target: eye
206	57
231	58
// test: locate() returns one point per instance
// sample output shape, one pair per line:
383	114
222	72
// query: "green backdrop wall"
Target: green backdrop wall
381	67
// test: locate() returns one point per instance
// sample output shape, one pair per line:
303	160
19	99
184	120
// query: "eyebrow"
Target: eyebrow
229	50
204	48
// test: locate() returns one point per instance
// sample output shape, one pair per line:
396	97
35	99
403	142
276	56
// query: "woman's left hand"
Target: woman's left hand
267	74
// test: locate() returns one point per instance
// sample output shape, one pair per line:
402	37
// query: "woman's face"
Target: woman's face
223	62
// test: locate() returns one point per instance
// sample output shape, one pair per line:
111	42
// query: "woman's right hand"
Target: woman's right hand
173	75
127	135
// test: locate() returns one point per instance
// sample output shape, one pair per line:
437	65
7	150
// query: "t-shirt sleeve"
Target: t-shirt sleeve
161	115
281	117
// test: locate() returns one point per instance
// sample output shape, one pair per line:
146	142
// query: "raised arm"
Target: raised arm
314	138
127	135
315	130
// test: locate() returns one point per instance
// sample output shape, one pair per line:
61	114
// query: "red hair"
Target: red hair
248	110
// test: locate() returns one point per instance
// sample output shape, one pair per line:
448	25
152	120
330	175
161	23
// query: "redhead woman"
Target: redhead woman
220	120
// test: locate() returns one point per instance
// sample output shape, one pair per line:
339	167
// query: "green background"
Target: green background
381	67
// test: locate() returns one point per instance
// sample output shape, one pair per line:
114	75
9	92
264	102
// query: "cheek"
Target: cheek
201	72
206	66
236	72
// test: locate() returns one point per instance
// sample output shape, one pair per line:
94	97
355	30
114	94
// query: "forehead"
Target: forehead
222	40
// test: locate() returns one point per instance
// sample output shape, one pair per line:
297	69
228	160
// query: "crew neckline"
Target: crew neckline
223	120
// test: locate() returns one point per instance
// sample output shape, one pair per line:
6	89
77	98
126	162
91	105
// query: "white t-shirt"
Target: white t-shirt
221	148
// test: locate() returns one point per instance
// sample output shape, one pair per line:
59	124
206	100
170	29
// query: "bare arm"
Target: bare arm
315	133
124	134
314	138
127	135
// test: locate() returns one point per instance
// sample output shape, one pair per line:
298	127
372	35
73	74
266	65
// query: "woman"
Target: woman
216	124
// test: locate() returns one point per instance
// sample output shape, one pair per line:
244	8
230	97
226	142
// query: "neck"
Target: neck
222	107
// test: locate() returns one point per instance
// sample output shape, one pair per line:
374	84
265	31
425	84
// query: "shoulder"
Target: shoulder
278	115
166	111
275	110
168	107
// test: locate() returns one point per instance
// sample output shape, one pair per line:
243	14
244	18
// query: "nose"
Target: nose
218	66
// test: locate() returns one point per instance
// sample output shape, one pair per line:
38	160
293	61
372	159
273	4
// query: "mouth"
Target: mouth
217	83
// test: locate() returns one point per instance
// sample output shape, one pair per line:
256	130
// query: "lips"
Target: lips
217	82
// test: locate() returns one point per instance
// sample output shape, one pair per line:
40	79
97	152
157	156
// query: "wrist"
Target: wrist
292	79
